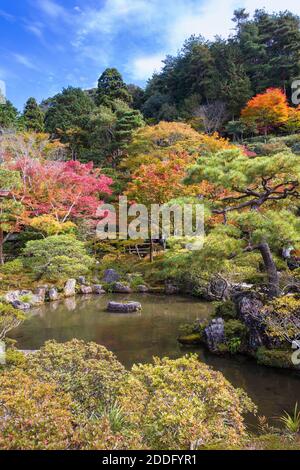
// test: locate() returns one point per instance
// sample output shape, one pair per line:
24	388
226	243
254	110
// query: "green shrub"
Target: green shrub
271	148
9	318
182	404
274	358
12	267
226	310
57	258
235	329
88	371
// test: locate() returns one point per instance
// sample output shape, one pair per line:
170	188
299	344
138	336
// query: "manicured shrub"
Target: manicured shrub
57	257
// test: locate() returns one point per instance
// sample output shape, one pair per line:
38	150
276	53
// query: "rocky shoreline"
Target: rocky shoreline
240	326
237	327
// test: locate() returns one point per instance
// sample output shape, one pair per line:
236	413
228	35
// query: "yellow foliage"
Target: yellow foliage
48	225
163	141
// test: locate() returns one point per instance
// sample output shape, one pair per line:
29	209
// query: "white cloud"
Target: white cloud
36	29
24	60
51	8
143	67
6	16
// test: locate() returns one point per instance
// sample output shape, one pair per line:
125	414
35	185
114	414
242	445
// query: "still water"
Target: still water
153	332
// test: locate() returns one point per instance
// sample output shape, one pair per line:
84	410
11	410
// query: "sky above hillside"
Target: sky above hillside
49	44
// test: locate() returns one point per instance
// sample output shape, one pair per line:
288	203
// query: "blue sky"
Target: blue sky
49	44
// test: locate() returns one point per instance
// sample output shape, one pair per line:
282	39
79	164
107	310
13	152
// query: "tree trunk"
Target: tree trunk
1	247
151	250
274	290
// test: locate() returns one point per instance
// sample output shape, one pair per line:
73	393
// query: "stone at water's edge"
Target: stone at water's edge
53	294
86	290
36	300
120	288
20	305
142	289
69	290
110	276
40	292
214	334
128	307
98	289
171	289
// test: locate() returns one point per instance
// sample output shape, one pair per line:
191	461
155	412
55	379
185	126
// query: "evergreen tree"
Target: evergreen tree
8	115
111	87
33	116
67	118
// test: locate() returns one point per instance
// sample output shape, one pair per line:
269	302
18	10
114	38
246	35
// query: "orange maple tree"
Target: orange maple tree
267	111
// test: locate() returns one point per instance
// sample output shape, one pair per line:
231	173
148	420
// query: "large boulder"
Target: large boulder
70	288
121	288
126	307
214	334
110	276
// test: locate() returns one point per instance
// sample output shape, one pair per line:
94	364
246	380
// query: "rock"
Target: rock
214	334
53	294
82	280
41	292
249	308
219	289
171	289
69	290
12	296
127	307
20	305
86	290
36	300
98	289
142	289
110	276
121	288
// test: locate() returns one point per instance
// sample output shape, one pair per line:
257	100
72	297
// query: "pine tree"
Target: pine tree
111	87
33	116
8	115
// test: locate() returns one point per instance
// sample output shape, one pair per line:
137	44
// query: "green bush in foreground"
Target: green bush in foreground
78	396
88	371
183	404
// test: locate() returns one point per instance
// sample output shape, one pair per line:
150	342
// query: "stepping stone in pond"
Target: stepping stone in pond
126	307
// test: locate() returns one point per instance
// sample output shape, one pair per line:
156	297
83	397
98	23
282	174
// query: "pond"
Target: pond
138	337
